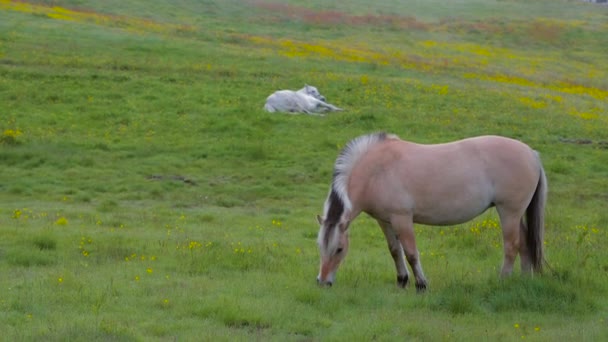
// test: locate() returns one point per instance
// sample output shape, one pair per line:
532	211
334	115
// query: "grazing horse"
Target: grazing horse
400	183
306	100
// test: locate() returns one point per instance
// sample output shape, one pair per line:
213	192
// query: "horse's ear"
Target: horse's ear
319	219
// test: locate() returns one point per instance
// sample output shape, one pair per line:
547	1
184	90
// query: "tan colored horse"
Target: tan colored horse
400	183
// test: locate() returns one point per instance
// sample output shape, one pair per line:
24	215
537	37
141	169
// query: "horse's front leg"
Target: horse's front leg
404	228
309	112
331	107
324	106
394	246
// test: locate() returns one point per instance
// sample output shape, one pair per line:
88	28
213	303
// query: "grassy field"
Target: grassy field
145	195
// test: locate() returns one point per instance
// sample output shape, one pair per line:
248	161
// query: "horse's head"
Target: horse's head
314	92
333	246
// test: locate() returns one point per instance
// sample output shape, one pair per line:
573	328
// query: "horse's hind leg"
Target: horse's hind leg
396	252
404	228
510	224
524	253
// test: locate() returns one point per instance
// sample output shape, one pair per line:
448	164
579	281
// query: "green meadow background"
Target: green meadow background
146	196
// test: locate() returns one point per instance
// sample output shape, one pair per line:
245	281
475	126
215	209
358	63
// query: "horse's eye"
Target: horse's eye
339	250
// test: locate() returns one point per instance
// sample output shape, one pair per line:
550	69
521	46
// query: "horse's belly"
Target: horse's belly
447	213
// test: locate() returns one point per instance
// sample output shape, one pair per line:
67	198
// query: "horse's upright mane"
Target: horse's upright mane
337	200
347	159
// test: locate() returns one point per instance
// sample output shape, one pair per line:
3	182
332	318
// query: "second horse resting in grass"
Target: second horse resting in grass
400	183
306	100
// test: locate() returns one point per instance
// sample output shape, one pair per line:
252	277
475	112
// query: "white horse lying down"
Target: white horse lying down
306	100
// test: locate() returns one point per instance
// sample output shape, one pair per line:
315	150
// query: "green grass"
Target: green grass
145	194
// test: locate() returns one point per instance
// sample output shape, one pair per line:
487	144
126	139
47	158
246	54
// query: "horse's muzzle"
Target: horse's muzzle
327	283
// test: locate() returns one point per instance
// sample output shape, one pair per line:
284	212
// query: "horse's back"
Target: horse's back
280	96
495	143
499	160
282	101
444	183
513	167
482	153
502	156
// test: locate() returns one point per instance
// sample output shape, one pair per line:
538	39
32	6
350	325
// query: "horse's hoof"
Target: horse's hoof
402	281
324	283
420	287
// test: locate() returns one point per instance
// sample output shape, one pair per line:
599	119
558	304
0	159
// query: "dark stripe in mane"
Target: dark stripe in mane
334	213
336	208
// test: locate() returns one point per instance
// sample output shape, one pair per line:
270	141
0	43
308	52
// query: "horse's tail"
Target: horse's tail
535	222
